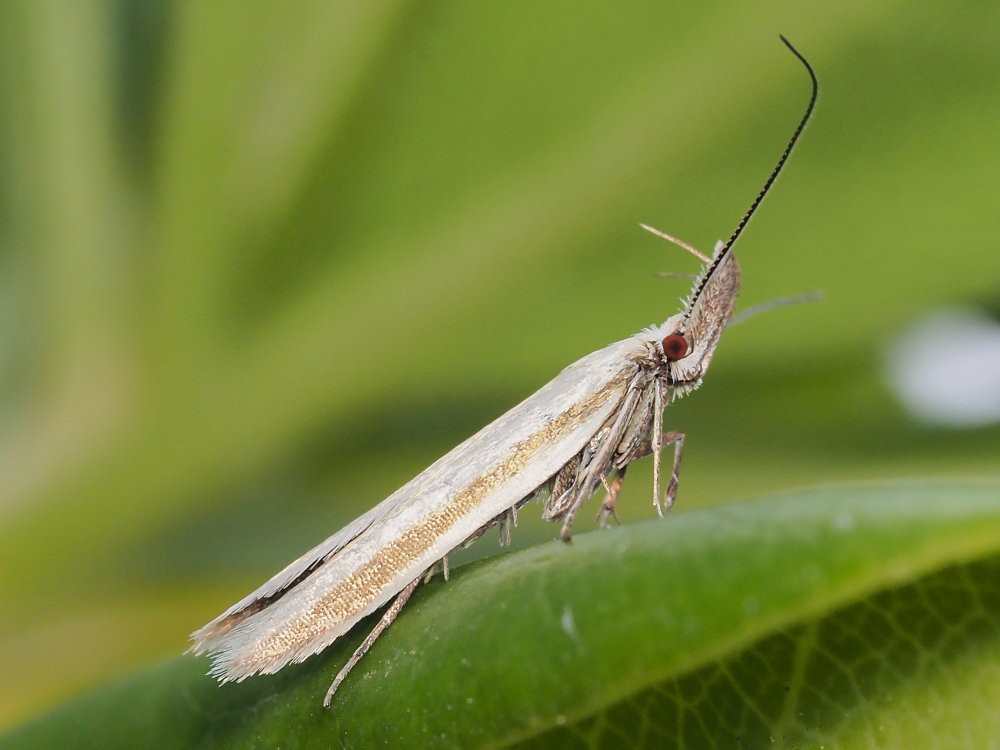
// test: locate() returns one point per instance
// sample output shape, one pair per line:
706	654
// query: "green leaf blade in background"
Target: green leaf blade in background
857	616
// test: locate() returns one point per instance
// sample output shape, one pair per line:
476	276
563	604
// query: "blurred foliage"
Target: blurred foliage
260	263
854	617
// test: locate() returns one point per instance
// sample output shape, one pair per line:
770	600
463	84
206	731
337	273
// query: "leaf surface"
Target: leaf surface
851	616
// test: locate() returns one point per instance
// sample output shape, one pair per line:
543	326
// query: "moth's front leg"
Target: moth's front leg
658	441
654	447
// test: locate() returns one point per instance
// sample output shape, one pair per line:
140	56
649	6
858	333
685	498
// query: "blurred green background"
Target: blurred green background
261	263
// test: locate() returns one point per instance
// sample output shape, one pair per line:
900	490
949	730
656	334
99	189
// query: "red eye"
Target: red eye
675	347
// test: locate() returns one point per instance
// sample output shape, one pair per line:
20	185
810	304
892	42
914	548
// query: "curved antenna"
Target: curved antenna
770	180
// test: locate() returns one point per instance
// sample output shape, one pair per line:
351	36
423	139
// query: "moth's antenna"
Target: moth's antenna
771	304
784	157
770	180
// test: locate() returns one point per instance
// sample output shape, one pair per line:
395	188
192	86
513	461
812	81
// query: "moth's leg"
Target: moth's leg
602	451
506	522
565	533
646	448
562	483
429	575
582	492
386	621
677	438
657	444
607	511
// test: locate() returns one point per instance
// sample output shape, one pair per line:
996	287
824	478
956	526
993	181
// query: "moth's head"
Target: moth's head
690	337
686	342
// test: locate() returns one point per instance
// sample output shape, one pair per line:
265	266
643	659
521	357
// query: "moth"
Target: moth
576	435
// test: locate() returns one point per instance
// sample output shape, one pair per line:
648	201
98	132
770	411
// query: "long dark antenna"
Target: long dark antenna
771	178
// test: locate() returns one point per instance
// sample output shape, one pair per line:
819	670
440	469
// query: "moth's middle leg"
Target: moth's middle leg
613	488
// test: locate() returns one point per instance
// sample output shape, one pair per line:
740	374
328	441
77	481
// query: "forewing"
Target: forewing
531	442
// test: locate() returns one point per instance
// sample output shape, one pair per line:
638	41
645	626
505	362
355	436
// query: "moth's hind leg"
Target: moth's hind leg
387	618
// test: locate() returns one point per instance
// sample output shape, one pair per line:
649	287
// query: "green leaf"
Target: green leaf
864	616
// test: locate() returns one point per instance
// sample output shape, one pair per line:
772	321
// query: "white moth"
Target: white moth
575	435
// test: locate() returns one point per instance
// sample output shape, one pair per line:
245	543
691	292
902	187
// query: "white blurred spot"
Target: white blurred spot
568	624
843	521
946	368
